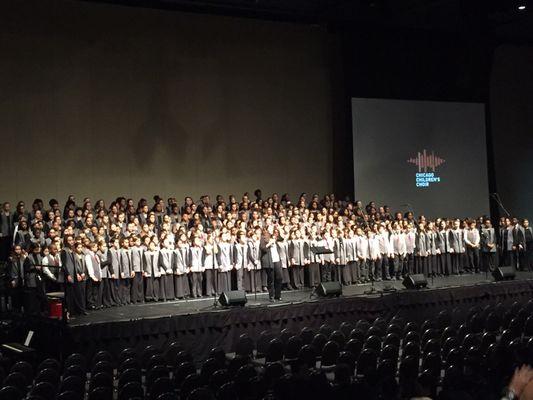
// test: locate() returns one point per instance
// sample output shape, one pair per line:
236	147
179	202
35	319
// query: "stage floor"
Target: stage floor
199	326
205	305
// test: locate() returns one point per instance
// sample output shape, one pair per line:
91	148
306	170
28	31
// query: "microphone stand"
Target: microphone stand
372	289
498	201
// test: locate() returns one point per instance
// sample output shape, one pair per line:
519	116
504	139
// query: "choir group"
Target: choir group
132	253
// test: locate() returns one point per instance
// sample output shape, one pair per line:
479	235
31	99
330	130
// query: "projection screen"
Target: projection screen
425	156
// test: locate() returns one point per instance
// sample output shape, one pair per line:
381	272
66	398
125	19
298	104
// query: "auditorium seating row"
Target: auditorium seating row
445	357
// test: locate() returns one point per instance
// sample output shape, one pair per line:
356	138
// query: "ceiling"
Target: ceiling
500	18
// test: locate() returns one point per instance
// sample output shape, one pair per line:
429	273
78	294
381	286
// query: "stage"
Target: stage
200	326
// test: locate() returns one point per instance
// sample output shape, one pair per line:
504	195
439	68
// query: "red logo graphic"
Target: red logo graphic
426	161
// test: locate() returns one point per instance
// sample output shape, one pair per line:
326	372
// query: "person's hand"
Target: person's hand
113	276
132	274
122	275
520	379
14	284
78	277
69	279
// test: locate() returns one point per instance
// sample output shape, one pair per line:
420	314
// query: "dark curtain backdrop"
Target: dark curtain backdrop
511	104
100	100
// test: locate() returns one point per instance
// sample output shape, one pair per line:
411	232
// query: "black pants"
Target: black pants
16	298
397	265
473	258
223	281
313	271
295	276
522	261
445	263
363	269
137	288
529	257
488	261
210	282
94	292
167	281
508	258
75	297
196	279
325	272
108	298
346	275
114	293
372	268
353	266
274	280
239	276
181	286
409	264
252	280
382	267
421	265
457	263
124	287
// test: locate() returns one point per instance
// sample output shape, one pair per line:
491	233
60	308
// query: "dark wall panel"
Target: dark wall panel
511	108
102	100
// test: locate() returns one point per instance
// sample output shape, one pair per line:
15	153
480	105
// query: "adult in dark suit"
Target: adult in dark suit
519	245
507	251
21	213
34	296
528	236
16	277
6	231
73	288
488	246
271	263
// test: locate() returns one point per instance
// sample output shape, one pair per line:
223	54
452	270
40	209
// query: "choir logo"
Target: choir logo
427	163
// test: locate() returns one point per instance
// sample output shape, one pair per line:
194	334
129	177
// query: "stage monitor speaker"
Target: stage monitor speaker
504	274
415	281
329	289
233	298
